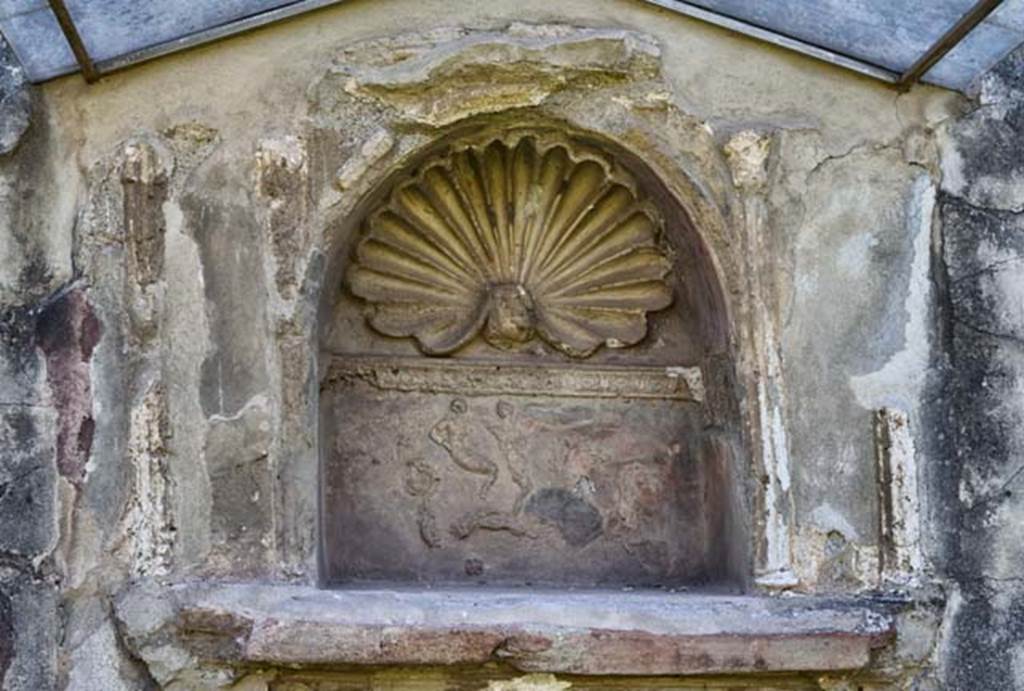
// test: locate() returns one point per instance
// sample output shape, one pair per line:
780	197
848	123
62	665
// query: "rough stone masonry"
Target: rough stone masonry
842	346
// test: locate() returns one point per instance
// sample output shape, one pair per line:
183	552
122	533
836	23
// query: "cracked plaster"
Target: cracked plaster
220	320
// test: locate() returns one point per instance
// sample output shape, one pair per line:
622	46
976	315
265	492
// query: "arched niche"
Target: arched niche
526	375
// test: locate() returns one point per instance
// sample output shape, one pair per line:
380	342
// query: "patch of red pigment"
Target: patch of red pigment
67	331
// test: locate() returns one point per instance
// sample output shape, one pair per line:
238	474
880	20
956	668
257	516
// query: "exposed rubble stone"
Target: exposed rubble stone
15	100
977	415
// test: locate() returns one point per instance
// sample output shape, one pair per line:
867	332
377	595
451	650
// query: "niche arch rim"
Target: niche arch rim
667	183
683	232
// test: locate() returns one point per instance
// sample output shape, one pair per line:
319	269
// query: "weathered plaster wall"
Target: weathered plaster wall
36	265
160	278
977	409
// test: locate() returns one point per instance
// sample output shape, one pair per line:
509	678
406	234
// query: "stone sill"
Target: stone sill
570	632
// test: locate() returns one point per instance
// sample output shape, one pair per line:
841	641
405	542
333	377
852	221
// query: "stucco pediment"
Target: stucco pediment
442	77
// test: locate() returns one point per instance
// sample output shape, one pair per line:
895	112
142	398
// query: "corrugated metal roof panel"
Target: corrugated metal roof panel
891	34
112	28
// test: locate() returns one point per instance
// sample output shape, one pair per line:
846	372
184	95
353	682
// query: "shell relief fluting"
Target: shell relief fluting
512	241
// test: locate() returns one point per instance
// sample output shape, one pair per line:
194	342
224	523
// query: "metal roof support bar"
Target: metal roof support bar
60	10
947	42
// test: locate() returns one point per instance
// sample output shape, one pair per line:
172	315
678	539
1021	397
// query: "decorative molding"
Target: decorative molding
500	379
513	239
